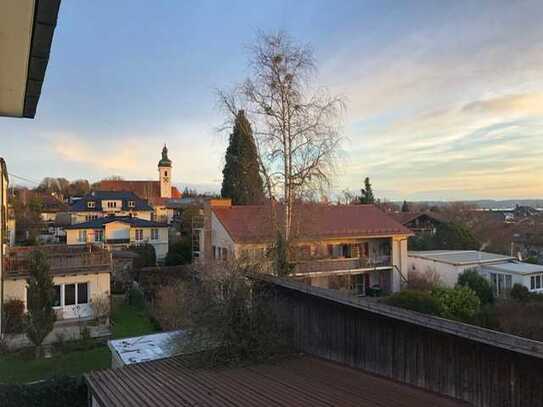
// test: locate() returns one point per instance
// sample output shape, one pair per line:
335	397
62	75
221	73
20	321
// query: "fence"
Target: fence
480	366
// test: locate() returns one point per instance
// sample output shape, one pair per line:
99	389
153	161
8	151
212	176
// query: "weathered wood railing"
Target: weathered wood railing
340	264
70	260
483	367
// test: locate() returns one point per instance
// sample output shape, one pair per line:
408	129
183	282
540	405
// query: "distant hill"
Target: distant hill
491	203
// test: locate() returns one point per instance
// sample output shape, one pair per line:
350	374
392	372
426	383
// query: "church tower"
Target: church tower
165	174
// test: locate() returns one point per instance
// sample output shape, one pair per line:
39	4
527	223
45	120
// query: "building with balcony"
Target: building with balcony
354	247
119	232
81	277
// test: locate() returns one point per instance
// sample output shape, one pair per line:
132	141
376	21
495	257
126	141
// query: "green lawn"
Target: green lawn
130	322
21	367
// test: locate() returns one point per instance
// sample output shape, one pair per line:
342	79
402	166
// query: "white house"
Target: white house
99	204
120	232
502	271
157	193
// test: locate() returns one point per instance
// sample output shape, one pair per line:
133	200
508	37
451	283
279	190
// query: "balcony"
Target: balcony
341	264
62	260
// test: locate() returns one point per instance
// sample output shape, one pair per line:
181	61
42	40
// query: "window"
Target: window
131	204
537	282
82	293
56	298
112	204
224	253
91	204
88	218
83	235
154	234
98	235
69	294
532	283
139	235
214	251
508	282
165	173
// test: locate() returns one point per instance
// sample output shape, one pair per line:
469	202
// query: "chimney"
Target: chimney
220	203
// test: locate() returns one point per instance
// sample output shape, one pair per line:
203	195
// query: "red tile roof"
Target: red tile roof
149	190
252	223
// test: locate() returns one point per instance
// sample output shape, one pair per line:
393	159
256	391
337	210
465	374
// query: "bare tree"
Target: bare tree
296	126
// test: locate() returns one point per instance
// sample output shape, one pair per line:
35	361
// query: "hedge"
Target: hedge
62	391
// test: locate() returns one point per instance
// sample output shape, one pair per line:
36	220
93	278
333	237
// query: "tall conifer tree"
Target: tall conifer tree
367	193
241	174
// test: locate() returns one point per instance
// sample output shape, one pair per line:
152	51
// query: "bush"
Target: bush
136	298
419	301
521	319
460	303
487	317
14	316
56	392
423	281
146	255
519	293
480	285
179	253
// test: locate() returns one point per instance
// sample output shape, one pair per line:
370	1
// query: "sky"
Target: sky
444	100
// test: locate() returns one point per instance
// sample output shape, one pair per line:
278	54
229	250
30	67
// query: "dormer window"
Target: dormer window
91	204
131	204
112	204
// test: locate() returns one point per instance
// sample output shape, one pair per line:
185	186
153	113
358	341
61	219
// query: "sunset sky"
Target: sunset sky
444	99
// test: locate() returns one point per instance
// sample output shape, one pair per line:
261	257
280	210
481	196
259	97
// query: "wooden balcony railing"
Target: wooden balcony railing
18	265
341	264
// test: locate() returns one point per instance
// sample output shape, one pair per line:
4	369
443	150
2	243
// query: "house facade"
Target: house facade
100	204
156	193
502	271
353	247
81	277
4	233
419	222
118	232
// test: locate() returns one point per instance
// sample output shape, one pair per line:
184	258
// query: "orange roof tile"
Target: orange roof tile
149	190
252	223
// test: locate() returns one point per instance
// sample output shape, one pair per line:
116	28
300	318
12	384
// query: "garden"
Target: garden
472	301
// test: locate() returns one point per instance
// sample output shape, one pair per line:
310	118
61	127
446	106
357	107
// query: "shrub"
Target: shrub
234	318
419	301
14	316
179	253
460	303
522	319
56	392
423	281
487	317
480	285
146	255
171	309
519	293
136	298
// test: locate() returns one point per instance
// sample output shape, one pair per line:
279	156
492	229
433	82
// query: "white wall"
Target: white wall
117	230
220	237
448	273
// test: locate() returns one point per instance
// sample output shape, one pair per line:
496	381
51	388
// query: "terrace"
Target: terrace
63	260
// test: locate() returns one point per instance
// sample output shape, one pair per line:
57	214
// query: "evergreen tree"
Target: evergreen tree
40	292
405	207
241	174
367	193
